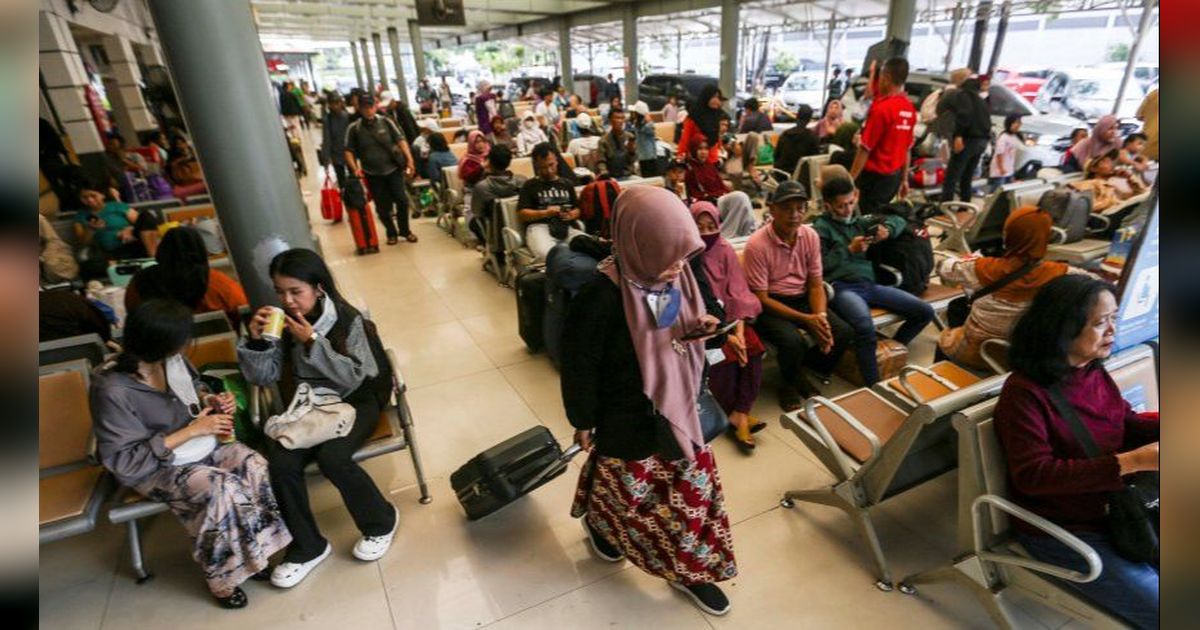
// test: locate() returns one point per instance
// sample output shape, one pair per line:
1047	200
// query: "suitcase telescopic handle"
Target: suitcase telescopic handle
567	455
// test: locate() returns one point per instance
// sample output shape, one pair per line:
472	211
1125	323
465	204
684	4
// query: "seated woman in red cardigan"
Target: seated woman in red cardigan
1059	344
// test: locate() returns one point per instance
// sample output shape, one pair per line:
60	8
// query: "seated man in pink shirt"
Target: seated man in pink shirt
783	268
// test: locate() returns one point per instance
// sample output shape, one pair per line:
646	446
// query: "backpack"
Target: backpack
596	202
1070	210
909	251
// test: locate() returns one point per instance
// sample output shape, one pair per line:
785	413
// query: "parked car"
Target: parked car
517	86
655	88
1027	83
1044	133
807	88
1088	93
589	87
1144	73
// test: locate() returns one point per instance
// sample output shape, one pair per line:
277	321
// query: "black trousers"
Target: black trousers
961	170
371	511
340	171
795	349
876	190
391	202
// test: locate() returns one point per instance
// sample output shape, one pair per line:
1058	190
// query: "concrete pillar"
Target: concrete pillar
982	14
1001	30
900	17
418	49
629	42
678	51
828	58
394	42
133	117
366	61
64	78
729	48
245	157
379	65
565	68
955	27
358	73
1143	25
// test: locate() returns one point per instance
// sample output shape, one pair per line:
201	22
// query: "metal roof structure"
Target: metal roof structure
536	22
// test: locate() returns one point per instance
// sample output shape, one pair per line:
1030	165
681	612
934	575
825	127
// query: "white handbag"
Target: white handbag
313	417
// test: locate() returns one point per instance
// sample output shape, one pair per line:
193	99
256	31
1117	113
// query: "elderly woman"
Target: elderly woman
736	380
1057	354
157	431
630	386
992	316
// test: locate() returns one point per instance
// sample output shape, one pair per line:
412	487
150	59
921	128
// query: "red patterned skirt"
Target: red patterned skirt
667	517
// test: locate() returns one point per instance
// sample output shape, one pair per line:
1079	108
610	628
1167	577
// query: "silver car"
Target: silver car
1046	135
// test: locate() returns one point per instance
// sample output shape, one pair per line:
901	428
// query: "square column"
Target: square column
358	73
366	61
630	42
129	106
62	71
378	41
394	42
564	53
418	49
727	80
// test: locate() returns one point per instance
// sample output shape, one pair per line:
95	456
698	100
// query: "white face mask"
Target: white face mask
530	125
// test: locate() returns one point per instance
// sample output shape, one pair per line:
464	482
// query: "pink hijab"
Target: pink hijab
1094	144
472	155
725	274
652	231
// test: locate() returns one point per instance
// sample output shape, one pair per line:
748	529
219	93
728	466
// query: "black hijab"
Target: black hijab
707	119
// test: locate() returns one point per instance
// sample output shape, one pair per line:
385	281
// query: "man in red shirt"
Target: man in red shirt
881	165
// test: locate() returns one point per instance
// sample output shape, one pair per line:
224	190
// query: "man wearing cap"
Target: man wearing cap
675	180
618	149
377	150
783	269
420	146
753	119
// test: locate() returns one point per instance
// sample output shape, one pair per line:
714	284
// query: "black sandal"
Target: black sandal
235	600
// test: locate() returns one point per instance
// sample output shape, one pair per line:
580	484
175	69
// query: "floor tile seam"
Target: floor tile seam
416	388
560	595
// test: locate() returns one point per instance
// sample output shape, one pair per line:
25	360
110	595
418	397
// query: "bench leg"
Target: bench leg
863	519
135	554
410	437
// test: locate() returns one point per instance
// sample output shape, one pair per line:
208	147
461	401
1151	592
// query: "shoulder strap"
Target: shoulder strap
1005	281
1067	411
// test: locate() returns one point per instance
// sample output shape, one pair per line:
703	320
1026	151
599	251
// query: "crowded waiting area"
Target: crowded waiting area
598	314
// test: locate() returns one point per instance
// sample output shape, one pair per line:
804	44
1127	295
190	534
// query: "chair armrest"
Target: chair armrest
829	292
986	350
814	421
512	239
774	171
1058	235
1098	223
895	279
949	208
911	391
981	503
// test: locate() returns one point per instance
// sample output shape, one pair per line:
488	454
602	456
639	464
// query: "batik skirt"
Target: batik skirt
667	517
226	505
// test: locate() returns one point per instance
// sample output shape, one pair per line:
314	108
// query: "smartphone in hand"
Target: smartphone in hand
721	329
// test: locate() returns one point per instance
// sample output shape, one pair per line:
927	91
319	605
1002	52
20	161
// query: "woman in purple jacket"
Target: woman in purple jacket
1060	343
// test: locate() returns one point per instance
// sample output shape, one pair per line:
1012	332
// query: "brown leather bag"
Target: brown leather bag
890	355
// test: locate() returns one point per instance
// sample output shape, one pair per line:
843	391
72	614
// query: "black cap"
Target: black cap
366	100
788	190
676	163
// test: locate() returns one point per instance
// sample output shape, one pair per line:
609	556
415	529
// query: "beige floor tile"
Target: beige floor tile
496	334
434	354
628	599
75	577
537	381
749	488
459	418
446	572
341	592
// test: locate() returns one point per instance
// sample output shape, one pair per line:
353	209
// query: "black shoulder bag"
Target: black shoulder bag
397	155
959	308
1132	510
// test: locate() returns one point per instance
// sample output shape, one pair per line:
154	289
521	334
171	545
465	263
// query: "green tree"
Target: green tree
1117	52
497	57
785	63
438	60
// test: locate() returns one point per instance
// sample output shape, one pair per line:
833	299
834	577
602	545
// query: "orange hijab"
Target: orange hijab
1026	234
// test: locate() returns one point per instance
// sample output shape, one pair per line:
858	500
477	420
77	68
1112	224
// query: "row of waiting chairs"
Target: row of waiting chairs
879	442
73	487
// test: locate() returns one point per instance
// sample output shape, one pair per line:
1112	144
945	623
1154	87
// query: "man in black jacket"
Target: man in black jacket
972	130
796	143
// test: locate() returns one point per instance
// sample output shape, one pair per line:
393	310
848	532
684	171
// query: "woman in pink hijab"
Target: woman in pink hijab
470	167
649	491
734	381
1105	137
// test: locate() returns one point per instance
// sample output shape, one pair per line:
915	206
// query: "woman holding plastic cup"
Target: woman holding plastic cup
158	431
319	339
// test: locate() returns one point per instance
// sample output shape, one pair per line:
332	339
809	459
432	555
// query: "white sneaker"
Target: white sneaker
289	574
370	548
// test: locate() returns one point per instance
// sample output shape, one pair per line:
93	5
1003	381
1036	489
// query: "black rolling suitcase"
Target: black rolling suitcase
509	471
531	307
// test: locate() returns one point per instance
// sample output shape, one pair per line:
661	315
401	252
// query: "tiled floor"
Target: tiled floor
472	384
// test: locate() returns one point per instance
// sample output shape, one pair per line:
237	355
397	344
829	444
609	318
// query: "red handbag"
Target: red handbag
331	200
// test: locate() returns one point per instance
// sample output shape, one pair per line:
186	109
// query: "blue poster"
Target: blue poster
1137	320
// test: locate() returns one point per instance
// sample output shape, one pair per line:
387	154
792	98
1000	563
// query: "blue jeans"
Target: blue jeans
853	302
1129	589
